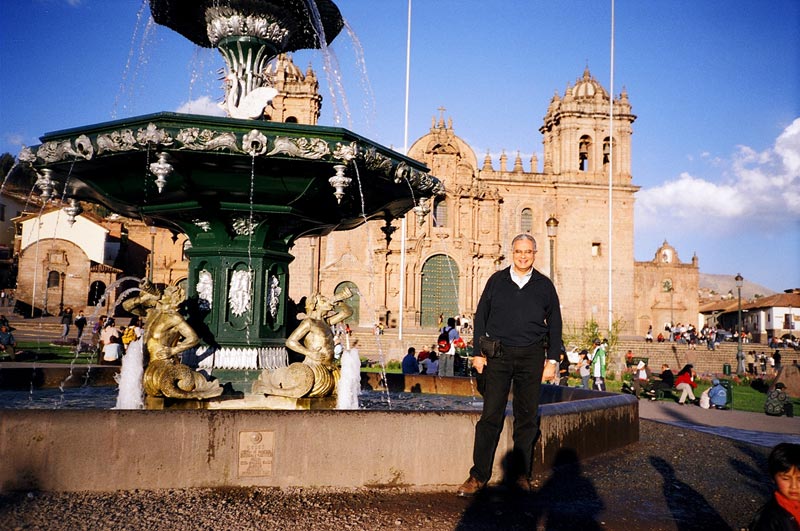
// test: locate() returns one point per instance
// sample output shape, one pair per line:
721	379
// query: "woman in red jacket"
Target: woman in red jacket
684	382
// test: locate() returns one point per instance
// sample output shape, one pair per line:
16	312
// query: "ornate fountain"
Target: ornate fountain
242	189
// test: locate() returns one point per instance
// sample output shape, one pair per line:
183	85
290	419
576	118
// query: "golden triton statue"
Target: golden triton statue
166	336
316	375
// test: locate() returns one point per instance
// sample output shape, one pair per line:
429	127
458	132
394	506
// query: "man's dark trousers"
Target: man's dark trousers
523	366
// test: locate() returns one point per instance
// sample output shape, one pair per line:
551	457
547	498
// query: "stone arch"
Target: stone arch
96	291
439	291
585	153
354	302
53	279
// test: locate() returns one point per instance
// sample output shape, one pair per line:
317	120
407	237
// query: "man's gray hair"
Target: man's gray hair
523	236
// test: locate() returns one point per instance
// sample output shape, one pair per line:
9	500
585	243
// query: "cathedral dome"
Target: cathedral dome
588	87
283	66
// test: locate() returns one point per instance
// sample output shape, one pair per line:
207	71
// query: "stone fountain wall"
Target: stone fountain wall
100	450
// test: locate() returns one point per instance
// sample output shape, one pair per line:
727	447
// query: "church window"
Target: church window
526	220
291	120
596	249
440	213
53	279
583	153
606	151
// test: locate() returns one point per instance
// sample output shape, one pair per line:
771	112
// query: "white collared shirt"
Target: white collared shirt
521	280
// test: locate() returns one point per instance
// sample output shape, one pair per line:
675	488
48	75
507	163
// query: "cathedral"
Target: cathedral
434	264
452	250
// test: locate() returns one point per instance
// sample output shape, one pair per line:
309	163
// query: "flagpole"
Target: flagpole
403	221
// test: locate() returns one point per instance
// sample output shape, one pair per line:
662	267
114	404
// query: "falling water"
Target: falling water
369	100
349	381
330	66
126	84
131	393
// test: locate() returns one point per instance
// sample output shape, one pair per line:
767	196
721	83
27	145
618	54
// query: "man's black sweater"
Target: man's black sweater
520	317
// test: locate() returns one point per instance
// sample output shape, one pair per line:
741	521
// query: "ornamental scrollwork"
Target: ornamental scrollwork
194	139
153	135
223	22
239	293
254	143
116	141
345	152
243	226
376	162
304	148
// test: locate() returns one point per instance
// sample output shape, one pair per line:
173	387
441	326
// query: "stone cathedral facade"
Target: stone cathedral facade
451	252
465	237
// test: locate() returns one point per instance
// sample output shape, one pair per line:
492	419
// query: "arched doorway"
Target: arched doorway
354	302
96	291
439	290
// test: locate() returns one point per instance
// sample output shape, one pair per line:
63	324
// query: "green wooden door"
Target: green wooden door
354	302
439	290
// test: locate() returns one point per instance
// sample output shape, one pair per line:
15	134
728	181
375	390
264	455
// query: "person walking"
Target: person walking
517	326
80	324
66	322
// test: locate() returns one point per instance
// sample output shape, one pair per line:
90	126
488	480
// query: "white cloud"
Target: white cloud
762	189
14	139
202	105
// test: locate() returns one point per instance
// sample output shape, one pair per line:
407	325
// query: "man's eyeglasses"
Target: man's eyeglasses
526	252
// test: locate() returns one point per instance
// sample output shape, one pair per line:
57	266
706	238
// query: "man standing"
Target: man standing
598	367
519	308
66	321
447	357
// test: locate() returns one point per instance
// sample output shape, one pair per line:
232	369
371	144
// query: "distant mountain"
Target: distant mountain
722	284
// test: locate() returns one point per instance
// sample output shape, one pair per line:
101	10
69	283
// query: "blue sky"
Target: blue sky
715	86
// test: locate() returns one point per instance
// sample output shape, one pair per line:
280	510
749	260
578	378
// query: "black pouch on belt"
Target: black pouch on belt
491	348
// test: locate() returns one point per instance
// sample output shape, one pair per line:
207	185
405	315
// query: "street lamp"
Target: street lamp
552	230
739	354
61	303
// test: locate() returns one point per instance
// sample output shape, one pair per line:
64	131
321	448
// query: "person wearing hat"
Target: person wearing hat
717	395
598	367
641	377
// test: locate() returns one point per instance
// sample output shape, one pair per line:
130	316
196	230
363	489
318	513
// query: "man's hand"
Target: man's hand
479	362
549	373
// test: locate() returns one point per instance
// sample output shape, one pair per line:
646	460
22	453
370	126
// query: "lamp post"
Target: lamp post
739	354
61	302
152	252
669	288
552	230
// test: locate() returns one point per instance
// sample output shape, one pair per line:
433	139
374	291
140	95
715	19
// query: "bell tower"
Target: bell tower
298	99
577	140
